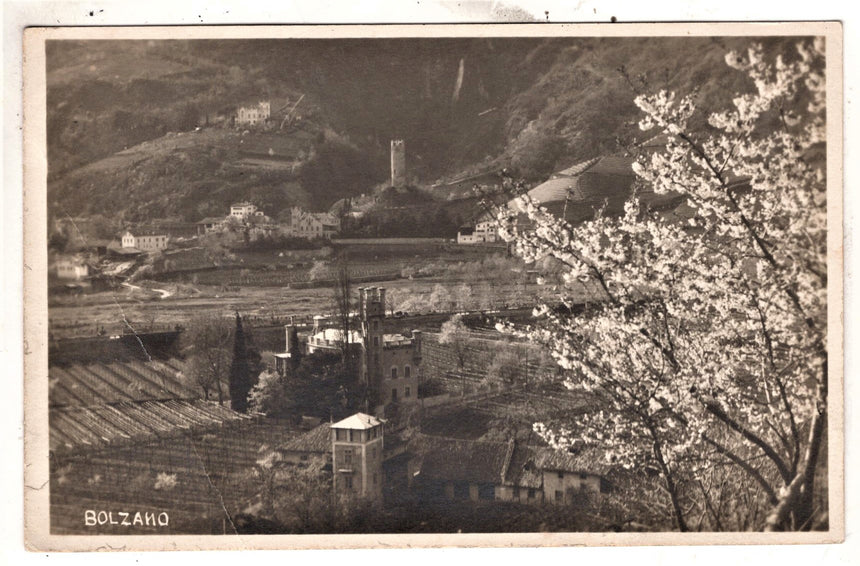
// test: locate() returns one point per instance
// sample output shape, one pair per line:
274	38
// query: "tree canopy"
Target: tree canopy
707	357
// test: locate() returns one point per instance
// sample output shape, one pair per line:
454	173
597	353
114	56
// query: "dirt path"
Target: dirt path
164	293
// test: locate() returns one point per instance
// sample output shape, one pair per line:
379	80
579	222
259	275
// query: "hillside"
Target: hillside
117	110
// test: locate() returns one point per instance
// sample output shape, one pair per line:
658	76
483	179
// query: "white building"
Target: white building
253	115
305	224
242	210
484	231
331	340
68	268
144	241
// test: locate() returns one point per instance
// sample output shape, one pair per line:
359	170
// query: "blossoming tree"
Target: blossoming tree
707	356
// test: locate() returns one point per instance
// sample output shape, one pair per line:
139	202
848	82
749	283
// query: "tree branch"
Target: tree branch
713	408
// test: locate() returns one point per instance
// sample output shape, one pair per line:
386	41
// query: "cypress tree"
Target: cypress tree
295	349
240	371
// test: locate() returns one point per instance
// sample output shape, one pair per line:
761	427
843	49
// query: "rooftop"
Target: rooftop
462	460
586	460
336	335
315	440
211	220
358	421
145	232
522	470
505	463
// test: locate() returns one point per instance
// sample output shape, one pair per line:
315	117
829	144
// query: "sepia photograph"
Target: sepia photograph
435	280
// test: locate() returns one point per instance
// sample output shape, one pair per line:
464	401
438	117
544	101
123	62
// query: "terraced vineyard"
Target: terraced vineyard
103	383
201	482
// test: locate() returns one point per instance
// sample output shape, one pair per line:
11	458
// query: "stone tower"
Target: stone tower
398	163
357	456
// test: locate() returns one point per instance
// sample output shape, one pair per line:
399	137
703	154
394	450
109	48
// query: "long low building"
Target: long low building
458	469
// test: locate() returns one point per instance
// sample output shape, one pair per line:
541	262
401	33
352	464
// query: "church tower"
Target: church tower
398	163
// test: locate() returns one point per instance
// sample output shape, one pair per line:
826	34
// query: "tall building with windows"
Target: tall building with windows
390	363
357	444
398	163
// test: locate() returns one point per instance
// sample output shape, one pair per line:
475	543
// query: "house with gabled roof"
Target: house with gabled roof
313	445
474	470
483	230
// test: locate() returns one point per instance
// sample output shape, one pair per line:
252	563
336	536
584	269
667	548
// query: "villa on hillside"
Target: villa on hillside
144	240
243	210
253	115
304	224
483	231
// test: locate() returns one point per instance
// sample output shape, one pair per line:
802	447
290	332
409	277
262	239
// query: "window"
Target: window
376	325
376	340
516	493
486	491
531	493
347	457
394	372
407	392
561	475
559	495
394	394
407	372
347	481
583	476
304	457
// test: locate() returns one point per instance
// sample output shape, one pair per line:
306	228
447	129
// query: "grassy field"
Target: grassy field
271	287
84	314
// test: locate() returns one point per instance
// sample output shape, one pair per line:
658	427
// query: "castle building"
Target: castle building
357	444
390	363
398	163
